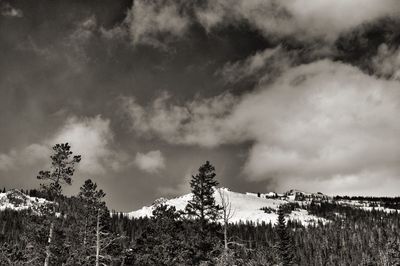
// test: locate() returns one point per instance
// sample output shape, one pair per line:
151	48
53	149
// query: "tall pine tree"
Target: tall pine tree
96	236
203	208
62	169
284	246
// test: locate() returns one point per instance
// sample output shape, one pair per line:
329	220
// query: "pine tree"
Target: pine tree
203	208
163	241
62	170
92	200
284	246
95	235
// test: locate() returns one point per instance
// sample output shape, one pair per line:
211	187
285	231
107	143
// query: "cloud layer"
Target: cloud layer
90	137
156	22
317	122
27	156
199	121
386	63
151	162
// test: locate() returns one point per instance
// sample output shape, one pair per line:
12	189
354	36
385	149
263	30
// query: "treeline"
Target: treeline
354	237
351	237
386	202
79	230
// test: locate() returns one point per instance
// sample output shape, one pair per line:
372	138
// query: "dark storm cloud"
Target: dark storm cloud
146	91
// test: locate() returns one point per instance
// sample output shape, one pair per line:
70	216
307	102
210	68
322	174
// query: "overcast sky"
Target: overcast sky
276	94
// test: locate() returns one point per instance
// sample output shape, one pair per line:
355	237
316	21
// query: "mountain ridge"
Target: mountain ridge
247	207
262	207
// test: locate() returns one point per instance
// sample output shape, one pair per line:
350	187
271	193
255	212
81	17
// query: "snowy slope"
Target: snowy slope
246	207
18	201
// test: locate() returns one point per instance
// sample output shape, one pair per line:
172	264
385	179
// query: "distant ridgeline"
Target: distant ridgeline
292	194
300	206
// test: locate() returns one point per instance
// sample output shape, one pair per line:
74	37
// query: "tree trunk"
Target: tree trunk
98	237
85	232
48	251
225	236
50	239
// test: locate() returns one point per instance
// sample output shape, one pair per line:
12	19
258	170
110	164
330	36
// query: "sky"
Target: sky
276	95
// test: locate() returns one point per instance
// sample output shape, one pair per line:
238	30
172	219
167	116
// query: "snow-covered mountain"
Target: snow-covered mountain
248	206
18	201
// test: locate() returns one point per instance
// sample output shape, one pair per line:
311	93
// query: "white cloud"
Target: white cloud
317	122
320	120
198	122
151	162
272	61
92	138
6	161
83	32
115	33
77	44
34	153
387	62
156	22
302	18
29	155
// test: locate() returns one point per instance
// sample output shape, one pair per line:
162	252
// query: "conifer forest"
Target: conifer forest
81	230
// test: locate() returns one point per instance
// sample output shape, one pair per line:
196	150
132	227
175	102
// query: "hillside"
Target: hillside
261	207
18	201
246	207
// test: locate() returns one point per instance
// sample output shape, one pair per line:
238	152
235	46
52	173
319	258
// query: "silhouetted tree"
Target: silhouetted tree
203	208
62	170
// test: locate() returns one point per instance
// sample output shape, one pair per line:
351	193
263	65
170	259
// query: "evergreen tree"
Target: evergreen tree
284	246
62	170
203	208
94	223
163	242
92	200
